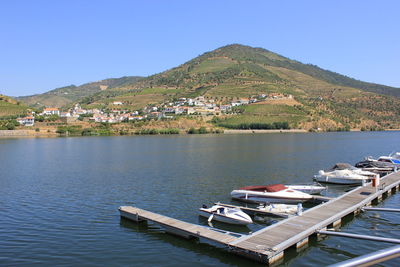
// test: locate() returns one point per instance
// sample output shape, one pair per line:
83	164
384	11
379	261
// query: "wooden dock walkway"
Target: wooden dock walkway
269	244
175	226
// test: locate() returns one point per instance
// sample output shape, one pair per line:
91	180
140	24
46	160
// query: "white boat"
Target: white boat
347	166
281	208
394	158
277	193
309	189
341	177
225	214
373	165
344	173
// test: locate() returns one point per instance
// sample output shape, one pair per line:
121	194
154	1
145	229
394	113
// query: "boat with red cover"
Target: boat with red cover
275	193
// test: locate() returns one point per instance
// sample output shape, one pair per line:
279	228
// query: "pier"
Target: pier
269	244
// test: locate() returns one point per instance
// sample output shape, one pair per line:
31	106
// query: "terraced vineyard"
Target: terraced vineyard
10	107
324	99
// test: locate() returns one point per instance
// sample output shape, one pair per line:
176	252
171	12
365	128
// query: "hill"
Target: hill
10	107
65	95
323	99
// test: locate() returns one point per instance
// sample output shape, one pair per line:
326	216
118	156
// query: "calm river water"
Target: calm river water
59	197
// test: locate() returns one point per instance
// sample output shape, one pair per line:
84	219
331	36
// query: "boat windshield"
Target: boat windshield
395	155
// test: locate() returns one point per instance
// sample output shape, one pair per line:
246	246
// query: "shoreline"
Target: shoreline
234	131
34	134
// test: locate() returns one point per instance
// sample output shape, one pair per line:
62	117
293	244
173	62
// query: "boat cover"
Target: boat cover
374	164
262	188
341	166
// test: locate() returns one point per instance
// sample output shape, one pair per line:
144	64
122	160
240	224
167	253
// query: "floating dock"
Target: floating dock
269	244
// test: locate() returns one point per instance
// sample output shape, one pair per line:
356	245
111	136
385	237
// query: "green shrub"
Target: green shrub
201	130
256	125
69	130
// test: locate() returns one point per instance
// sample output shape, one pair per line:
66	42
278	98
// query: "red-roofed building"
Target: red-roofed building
27	121
51	111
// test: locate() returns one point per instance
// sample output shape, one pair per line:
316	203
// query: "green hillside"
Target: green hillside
62	96
10	107
322	99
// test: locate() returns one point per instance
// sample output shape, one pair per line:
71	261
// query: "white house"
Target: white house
65	115
27	121
51	111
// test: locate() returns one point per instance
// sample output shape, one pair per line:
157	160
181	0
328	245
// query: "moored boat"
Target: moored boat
393	158
344	173
225	214
276	193
375	166
341	177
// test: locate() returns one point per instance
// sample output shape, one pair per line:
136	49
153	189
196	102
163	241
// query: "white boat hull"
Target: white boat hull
268	197
340	180
229	215
346	177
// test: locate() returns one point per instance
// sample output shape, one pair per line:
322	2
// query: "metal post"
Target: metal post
366	237
371	258
381	209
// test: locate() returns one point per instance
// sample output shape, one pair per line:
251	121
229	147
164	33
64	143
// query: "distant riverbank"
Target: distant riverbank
26	133
230	131
33	133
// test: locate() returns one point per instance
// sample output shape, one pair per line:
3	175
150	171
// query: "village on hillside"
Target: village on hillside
200	106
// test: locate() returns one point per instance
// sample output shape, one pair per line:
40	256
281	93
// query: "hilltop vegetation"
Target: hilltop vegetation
322	99
69	94
11	108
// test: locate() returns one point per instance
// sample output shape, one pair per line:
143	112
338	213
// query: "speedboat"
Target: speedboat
373	165
340	177
309	189
281	208
393	158
347	166
276	193
344	173
225	214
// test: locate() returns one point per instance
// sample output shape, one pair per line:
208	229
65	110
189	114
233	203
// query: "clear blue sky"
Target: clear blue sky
49	44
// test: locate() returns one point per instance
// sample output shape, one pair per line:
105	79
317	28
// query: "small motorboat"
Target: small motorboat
312	189
372	165
344	173
281	208
369	162
225	214
347	166
340	177
276	193
393	158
